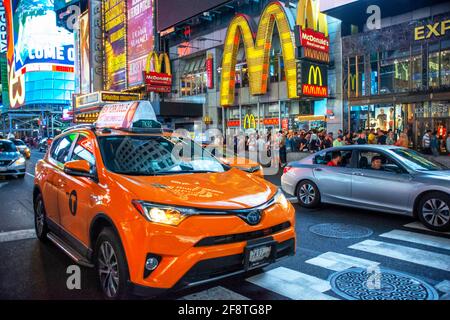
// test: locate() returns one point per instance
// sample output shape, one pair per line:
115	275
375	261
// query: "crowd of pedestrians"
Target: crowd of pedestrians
286	141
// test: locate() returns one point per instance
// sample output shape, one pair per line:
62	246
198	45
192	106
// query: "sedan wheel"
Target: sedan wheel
434	211
308	194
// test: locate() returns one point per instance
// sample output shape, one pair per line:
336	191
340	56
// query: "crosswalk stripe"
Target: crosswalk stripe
419	238
17	235
292	284
340	262
215	293
420	226
413	255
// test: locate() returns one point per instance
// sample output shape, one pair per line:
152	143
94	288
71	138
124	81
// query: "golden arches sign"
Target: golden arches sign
257	47
155	62
314	71
310	17
249	121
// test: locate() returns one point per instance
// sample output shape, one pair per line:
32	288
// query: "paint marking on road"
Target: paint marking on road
216	293
443	286
419	238
17	235
420	226
412	255
31	175
2	184
340	262
292	284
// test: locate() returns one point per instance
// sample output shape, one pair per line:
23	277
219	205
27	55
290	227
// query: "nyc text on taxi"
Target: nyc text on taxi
119	200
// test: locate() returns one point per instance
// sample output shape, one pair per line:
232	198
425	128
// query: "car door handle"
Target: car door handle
359	174
317	169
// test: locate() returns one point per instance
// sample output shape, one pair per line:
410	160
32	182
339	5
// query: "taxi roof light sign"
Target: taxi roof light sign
128	115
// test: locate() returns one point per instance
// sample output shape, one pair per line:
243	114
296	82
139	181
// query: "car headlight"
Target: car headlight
19	162
281	200
162	214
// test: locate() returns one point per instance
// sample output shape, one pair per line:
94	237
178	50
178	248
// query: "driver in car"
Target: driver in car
377	163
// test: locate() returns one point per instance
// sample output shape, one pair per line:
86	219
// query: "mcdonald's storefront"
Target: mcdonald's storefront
291	90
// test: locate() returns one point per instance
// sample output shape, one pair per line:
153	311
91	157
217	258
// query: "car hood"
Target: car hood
231	190
441	175
9	155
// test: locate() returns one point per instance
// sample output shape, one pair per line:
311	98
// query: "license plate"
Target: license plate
2	169
258	255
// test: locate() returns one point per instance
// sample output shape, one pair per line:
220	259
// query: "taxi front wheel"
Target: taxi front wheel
112	269
40	225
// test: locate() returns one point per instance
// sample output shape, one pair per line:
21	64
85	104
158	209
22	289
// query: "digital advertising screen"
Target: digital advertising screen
39	44
140	38
114	34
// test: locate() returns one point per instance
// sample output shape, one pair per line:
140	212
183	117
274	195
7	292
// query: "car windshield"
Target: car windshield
416	161
7	146
156	155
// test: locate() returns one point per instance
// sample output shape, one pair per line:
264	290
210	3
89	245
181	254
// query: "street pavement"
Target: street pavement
397	244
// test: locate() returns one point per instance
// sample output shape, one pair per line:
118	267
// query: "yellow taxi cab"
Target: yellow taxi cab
152	211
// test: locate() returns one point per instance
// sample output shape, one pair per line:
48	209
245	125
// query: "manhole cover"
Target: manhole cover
340	230
361	284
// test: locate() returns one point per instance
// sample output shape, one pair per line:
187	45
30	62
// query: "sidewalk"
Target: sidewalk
296	156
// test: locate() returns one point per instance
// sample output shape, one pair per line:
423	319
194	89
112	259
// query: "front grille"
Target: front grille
212	269
240	237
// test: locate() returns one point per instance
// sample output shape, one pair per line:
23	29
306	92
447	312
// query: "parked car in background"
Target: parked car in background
12	163
382	178
22	147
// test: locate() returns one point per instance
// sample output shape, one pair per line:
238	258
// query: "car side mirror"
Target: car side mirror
79	168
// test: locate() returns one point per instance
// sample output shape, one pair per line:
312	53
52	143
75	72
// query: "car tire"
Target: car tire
40	225
308	194
112	268
434	211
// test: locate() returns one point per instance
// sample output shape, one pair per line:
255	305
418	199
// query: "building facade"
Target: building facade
397	77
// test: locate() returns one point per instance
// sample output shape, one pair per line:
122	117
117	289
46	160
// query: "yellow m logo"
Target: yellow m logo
155	62
249	121
258	52
310	17
315	71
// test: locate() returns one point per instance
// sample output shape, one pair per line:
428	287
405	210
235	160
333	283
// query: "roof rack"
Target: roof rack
81	126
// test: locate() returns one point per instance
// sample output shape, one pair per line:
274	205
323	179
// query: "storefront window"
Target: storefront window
416	68
387	69
402	72
433	65
352	78
374	73
361	77
445	63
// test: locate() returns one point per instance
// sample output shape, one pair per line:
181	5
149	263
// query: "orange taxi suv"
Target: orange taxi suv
152	211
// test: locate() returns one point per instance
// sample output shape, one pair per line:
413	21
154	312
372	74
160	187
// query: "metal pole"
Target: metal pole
279	102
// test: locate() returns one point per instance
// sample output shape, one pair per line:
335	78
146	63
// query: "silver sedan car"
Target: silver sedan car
12	163
381	178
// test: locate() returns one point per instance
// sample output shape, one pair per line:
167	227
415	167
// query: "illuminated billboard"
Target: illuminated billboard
40	54
39	44
140	38
114	34
85	78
